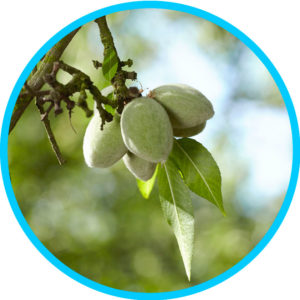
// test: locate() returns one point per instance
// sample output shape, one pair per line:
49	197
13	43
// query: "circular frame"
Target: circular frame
261	56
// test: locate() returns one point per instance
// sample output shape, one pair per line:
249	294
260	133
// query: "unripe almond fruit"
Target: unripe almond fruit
186	106
103	148
146	129
140	168
187	132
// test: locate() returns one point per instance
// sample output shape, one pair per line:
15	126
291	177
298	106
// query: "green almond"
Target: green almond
140	168
186	106
103	148
146	129
187	132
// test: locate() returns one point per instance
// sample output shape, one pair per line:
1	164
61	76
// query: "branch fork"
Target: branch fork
46	72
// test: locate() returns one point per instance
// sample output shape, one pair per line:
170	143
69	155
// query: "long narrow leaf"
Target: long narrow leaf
178	210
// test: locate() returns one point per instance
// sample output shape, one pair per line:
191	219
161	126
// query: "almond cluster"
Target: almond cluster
143	133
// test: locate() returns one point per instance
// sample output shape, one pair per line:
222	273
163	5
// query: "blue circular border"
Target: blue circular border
295	135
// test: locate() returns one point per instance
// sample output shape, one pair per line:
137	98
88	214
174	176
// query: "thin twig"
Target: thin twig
50	134
122	93
118	81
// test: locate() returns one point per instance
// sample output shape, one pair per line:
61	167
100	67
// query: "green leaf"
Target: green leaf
199	170
110	64
146	187
110	96
107	107
110	109
178	210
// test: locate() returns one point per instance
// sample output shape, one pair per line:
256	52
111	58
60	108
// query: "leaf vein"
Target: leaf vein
174	201
199	172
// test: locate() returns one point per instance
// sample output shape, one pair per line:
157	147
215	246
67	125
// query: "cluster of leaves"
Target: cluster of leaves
190	168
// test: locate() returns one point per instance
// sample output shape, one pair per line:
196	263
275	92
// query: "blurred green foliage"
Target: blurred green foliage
94	220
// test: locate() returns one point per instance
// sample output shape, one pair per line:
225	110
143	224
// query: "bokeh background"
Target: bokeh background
96	222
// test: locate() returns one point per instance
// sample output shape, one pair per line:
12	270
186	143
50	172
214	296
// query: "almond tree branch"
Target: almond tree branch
45	73
36	81
119	80
106	37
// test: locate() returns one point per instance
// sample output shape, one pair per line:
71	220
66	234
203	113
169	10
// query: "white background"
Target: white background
26	25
